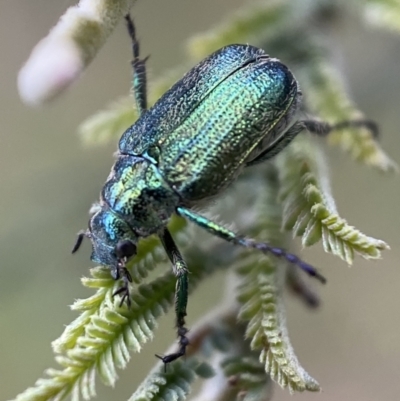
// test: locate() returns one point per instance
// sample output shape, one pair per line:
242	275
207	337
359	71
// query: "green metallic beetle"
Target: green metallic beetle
234	109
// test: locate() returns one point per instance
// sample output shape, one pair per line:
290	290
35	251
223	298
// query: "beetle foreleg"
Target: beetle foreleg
181	294
118	272
139	69
230	236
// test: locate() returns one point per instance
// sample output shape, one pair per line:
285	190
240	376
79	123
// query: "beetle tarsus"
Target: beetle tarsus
122	272
183	343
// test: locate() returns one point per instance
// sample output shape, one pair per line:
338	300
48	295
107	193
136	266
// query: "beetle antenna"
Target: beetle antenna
81	235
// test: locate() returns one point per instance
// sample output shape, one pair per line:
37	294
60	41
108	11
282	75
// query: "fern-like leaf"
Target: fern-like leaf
260	295
109	338
248	376
326	97
173	384
112	333
150	255
263	308
309	209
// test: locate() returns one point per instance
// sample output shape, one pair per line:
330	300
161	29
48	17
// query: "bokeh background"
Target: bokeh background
351	345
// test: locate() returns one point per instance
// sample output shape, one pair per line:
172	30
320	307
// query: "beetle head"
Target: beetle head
113	241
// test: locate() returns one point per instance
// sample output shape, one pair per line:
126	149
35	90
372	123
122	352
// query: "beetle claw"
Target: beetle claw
122	272
125	295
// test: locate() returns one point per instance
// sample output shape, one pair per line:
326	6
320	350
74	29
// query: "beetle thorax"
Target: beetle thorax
137	194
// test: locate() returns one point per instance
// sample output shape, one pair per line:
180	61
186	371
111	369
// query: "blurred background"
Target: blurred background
48	181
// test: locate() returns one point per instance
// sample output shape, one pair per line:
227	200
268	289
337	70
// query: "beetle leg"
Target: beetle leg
301	288
181	294
139	69
264	247
315	127
183	343
321	128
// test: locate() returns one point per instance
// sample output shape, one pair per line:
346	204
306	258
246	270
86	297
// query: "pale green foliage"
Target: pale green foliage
105	335
327	98
150	255
103	338
248	374
238	374
291	193
262	303
309	209
173	385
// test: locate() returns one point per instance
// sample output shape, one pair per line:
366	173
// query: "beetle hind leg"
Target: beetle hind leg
139	69
321	128
264	247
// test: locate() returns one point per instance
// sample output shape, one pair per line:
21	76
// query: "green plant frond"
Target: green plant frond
247	375
112	334
150	255
309	209
383	13
262	305
248	370
173	384
248	24
327	98
237	372
108	339
103	337
261	298
209	337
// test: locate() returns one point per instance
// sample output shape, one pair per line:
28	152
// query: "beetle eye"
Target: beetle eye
125	249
